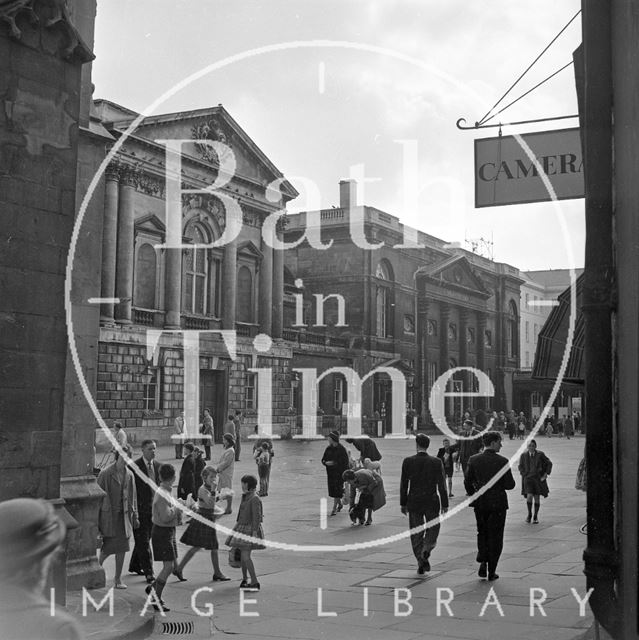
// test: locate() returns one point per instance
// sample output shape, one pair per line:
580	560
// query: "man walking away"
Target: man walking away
491	506
141	561
422	479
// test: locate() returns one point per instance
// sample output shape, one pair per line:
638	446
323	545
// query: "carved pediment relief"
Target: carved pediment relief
205	204
214	130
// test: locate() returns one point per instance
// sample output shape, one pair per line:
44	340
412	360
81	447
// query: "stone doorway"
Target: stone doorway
214	396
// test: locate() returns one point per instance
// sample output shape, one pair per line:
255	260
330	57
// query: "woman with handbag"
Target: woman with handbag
202	535
249	523
119	511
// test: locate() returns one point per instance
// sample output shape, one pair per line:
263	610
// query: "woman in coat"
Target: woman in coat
335	459
224	469
534	467
118	513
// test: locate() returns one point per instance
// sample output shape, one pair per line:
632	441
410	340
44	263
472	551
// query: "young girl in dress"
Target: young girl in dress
199	535
249	523
165	516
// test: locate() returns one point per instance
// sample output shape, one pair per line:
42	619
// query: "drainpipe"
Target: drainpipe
600	556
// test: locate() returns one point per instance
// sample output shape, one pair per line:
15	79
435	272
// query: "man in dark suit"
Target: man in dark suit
491	506
141	561
422	479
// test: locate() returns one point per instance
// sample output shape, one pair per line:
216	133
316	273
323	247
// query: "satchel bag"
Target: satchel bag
234	557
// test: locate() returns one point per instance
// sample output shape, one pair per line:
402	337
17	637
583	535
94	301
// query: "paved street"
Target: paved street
545	556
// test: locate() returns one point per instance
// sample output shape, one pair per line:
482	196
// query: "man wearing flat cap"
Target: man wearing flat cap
421	481
30	533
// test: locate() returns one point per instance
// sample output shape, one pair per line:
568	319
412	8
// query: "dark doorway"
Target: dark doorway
383	400
213	396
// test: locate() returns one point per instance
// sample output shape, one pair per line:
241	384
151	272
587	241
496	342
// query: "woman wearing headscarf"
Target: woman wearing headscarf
225	468
118	512
335	459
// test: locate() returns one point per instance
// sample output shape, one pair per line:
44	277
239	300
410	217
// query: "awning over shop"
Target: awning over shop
553	338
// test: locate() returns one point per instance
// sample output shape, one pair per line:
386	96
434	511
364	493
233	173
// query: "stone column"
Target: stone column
229	284
463	341
463	349
444	321
266	287
422	368
125	253
172	288
481	350
109	241
278	293
481	340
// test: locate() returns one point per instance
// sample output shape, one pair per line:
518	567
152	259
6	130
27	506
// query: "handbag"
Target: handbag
234	557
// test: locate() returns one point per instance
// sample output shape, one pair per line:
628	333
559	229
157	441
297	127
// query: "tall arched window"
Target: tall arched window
383	300
145	270
195	269
244	307
511	328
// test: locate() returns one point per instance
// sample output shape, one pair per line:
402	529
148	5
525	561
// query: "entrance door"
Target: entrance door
213	396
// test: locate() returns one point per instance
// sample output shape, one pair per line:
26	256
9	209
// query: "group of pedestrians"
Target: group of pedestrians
139	505
426	487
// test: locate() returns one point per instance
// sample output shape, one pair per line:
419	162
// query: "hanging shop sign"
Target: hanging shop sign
510	169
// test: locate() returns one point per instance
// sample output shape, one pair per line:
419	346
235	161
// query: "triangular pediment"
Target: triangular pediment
456	272
150	223
249	249
213	124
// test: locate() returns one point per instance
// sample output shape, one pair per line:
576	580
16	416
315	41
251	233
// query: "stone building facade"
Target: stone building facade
154	291
422	310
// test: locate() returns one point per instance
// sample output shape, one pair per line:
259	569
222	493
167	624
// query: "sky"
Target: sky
343	83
